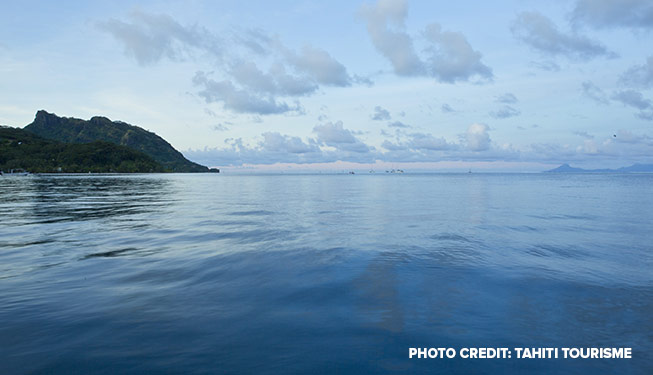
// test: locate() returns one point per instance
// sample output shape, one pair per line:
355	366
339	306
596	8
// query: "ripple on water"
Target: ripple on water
302	274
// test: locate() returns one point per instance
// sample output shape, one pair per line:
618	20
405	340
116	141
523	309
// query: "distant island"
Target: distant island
52	144
635	168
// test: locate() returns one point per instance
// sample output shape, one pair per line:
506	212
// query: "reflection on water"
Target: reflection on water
50	200
321	274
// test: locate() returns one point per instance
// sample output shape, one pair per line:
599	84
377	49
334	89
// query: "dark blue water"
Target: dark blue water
322	273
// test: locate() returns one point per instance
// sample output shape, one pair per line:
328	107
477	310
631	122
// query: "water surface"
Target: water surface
322	273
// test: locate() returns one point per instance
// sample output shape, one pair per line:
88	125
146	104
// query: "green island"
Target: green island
53	144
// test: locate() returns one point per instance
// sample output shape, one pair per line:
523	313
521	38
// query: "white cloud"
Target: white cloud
274	82
395	44
635	99
505	112
238	100
333	134
244	86
584	134
477	137
150	37
640	76
276	142
220	127
507	98
446	108
398	124
632	98
319	65
475	145
543	35
450	57
420	141
614	13
380	114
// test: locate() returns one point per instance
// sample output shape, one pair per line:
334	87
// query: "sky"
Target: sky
295	85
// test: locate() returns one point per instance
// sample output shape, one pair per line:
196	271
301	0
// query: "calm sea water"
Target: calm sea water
314	274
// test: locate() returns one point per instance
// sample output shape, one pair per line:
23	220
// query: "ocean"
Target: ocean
285	274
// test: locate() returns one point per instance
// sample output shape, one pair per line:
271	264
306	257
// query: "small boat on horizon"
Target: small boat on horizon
15	172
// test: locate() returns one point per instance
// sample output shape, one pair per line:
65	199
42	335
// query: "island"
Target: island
635	168
53	144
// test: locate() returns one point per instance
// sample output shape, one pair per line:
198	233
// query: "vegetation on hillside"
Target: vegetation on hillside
72	130
20	149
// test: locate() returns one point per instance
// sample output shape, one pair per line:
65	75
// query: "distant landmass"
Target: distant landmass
635	168
72	130
62	144
20	149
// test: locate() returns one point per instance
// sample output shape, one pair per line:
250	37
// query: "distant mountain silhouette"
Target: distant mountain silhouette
635	168
73	130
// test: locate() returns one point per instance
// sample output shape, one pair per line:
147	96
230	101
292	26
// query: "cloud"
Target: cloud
398	124
239	100
548	66
362	80
635	99
243	86
477	137
273	148
393	146
505	112
256	40
584	134
626	136
395	44
645	115
333	134
418	144
319	65
474	145
150	37
629	98
380	114
543	35
446	108
640	76
590	90
420	141
614	13
274	82
450	56
221	127
507	98
276	142
632	98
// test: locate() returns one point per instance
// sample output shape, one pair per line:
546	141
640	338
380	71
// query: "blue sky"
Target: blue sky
510	85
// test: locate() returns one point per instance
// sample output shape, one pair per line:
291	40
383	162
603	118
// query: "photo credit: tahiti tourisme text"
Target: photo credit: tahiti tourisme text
520	353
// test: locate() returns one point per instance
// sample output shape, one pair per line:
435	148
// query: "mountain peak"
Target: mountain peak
42	115
98	128
565	168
